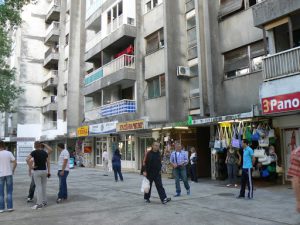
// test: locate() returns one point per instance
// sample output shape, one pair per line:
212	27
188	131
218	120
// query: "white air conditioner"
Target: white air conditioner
183	71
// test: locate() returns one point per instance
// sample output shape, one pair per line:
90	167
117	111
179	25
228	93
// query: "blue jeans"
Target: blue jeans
117	170
180	173
63	189
8	180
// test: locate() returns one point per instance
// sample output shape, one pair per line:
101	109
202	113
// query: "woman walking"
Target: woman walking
116	164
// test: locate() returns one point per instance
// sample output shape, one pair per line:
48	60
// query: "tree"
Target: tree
10	17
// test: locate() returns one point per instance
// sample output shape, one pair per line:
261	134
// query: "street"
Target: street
98	199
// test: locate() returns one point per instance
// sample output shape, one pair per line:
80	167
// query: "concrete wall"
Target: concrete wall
153	20
155	64
156	109
177	91
238	30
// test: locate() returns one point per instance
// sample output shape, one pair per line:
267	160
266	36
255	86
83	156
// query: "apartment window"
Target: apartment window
64	115
120	8
155	41
66	62
189	5
151	4
67	39
192	52
148	6
244	60
156	87
65	89
114	12
191	31
108	17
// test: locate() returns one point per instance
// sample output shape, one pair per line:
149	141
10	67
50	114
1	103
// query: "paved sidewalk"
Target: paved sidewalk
96	199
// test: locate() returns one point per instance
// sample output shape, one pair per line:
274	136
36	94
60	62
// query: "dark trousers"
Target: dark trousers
63	189
194	172
246	179
117	170
31	189
159	187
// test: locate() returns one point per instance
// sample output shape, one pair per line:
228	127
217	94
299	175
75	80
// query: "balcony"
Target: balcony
51	58
94	41
270	10
50	125
52	81
50	104
124	61
93	76
119	107
53	12
93	114
91	9
52	33
282	64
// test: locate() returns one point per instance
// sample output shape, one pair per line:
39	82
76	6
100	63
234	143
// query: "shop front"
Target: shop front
84	147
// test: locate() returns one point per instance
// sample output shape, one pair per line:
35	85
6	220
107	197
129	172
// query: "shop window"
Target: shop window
127	148
244	60
155	41
156	87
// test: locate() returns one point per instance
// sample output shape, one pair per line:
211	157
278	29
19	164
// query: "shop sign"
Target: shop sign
217	119
131	125
83	131
103	128
281	103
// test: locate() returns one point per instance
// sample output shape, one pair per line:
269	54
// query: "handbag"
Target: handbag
145	188
248	134
217	144
263	159
259	153
271	133
267	162
265	173
235	142
279	169
224	138
256	173
263	142
255	135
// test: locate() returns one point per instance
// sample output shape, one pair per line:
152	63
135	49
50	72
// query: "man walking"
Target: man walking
152	170
41	170
179	160
248	161
105	162
63	172
6	177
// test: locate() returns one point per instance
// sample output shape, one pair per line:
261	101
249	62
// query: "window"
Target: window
155	41
192	53
244	60
151	4
156	87
148	6
66	64
120	8
108	17
67	39
114	12
191	37
189	5
64	115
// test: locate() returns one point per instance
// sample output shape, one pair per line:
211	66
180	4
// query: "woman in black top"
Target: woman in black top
116	164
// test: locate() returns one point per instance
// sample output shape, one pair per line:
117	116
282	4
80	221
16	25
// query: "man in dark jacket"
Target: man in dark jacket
152	170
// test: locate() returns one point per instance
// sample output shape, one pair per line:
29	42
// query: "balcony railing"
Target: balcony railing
93	114
118	64
282	64
90	44
53	4
119	107
52	80
93	76
50	125
53	26
118	22
50	51
49	100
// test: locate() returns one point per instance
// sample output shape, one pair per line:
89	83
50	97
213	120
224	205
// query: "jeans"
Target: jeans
194	172
63	189
117	170
31	189
180	172
159	187
105	165
246	179
232	171
8	181
40	180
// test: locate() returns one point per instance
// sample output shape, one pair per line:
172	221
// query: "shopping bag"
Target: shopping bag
279	169
145	188
267	162
259	153
263	142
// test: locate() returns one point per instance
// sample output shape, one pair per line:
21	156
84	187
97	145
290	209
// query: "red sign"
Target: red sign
281	103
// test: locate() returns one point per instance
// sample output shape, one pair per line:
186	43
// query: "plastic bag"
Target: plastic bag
145	185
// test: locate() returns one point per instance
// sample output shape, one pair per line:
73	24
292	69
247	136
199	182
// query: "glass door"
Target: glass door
101	146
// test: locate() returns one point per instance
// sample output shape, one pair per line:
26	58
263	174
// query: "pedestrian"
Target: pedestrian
49	150
294	172
179	160
63	172
7	171
152	170
233	159
116	164
105	162
193	160
248	162
41	170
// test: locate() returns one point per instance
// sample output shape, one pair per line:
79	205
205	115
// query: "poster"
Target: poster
23	150
292	141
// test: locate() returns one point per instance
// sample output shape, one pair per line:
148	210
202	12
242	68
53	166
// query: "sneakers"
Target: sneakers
177	195
166	200
228	185
45	203
29	199
10	210
240	197
147	201
59	200
188	192
1	211
37	207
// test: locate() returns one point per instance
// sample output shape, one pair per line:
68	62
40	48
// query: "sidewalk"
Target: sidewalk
97	199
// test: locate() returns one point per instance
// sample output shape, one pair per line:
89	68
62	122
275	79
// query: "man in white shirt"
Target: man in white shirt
6	177
105	162
63	172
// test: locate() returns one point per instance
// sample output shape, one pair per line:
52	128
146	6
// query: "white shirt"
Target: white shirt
6	158
191	157
64	155
105	156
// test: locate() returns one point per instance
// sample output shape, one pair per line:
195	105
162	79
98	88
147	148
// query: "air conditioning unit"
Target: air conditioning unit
183	71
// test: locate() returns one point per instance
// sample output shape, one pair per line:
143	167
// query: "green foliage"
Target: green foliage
9	18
